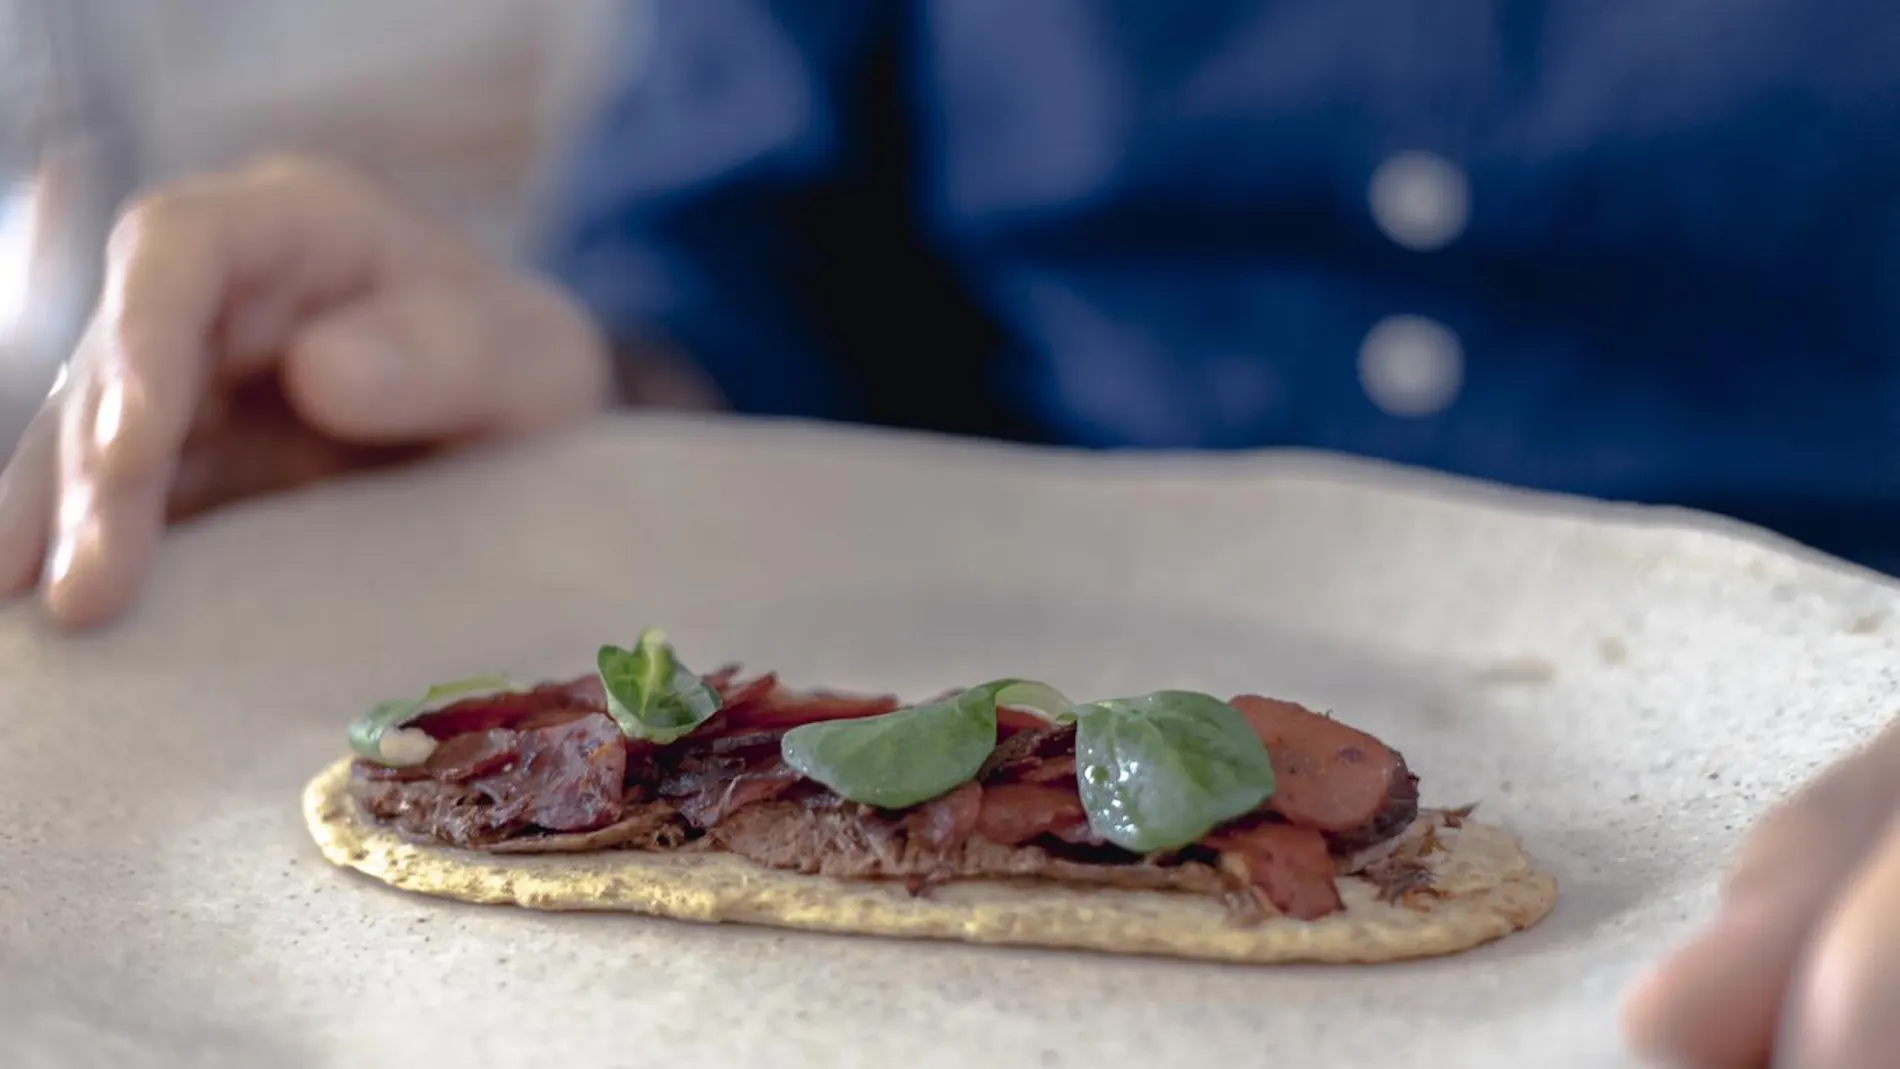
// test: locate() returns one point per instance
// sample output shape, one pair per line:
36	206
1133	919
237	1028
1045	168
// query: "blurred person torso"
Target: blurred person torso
1639	249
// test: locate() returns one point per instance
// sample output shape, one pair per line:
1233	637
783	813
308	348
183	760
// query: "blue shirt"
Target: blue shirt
1638	249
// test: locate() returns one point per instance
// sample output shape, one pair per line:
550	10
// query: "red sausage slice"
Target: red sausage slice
1328	776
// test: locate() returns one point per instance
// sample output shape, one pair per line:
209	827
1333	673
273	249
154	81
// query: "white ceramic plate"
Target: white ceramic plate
1626	689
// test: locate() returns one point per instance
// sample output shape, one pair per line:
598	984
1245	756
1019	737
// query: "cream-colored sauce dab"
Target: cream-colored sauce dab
1485	888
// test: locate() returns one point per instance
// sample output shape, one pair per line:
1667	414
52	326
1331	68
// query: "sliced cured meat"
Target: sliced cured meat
549	718
1060	769
717	797
707	779
1289	864
721	679
945	822
1019	754
569	777
736	742
784	709
1328	776
1014	813
587	692
507	710
1394	816
1011	721
371	771
477	753
486	713
734	691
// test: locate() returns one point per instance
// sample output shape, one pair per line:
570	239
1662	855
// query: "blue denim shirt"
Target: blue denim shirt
1641	249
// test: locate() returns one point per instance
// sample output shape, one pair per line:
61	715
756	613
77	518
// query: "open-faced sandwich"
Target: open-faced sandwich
1168	823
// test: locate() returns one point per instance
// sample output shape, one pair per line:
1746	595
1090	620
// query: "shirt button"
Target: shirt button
1420	200
1411	366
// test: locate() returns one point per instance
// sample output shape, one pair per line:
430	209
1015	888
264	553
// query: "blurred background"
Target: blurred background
454	102
1642	252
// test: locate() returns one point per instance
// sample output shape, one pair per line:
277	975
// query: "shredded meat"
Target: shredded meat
427	808
645	826
856	843
1399	878
1399	866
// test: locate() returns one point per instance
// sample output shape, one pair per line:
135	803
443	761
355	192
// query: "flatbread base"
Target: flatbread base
1488	889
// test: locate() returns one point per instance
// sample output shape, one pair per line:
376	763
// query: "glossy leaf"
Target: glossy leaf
1039	698
1162	770
912	755
650	694
380	735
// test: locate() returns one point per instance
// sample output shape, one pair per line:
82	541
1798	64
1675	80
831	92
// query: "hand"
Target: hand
1801	969
258	330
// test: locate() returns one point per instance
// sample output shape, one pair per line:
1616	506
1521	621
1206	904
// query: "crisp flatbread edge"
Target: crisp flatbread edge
1486	883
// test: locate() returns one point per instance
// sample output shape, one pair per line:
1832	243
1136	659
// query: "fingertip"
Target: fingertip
1637	1013
140	365
352	375
1715	1000
448	358
1841	1012
95	567
1653	1016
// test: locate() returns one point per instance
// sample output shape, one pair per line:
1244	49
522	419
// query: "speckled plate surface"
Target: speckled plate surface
1625	689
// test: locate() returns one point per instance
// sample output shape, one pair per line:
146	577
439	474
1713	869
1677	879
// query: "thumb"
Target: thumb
446	358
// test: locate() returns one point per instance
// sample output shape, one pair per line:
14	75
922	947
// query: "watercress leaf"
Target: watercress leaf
1160	771
1040	698
381	734
650	694
443	695
899	759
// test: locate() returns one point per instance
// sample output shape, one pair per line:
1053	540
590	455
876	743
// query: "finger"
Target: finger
440	360
103	535
263	446
1716	1001
26	501
310	234
1845	1011
257	323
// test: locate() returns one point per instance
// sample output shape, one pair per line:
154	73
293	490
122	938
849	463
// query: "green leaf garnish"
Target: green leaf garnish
380	735
1160	771
650	694
1040	698
909	756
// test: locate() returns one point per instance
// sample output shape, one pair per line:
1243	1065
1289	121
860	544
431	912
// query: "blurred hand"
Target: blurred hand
1801	969
263	329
